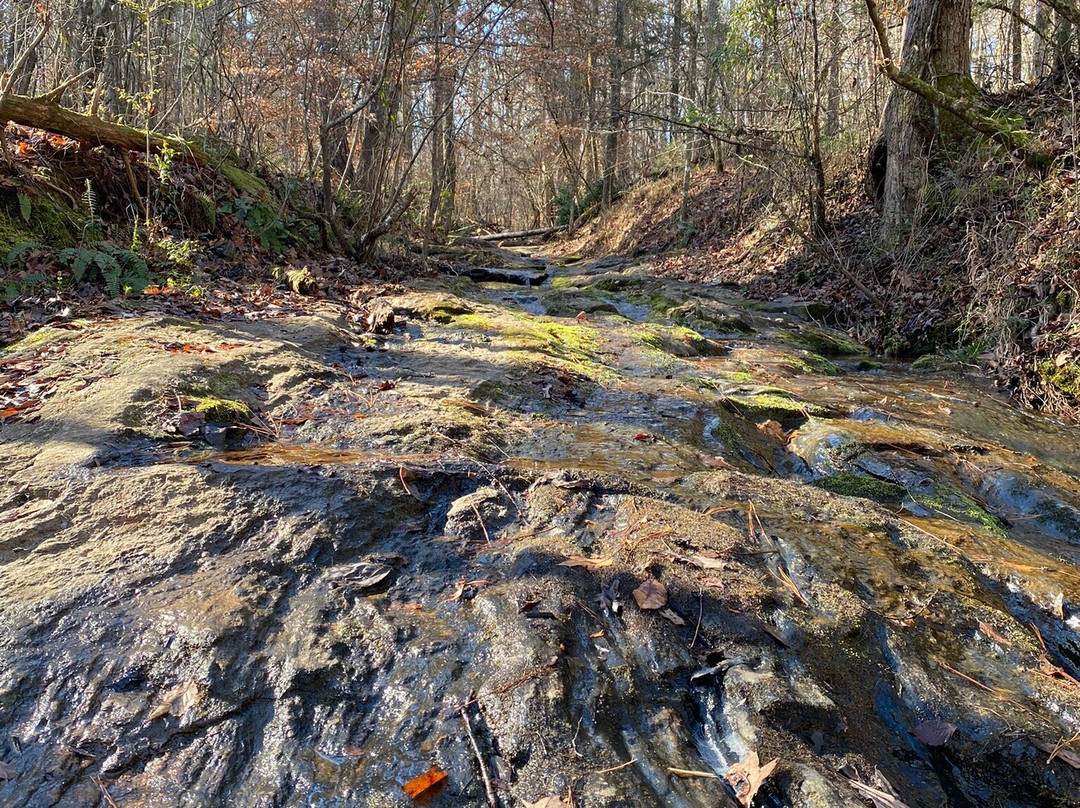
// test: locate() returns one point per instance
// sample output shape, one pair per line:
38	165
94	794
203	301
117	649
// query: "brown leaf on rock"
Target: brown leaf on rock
747	776
592	564
672	617
1060	752
880	797
427	786
549	802
934	733
651	595
177	701
774	430
352	751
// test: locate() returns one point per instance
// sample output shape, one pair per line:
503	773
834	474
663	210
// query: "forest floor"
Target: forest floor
612	539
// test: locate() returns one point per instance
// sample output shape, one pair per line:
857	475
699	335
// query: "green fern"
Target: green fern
19	249
24	206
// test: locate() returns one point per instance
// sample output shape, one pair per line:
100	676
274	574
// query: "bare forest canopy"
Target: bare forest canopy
528	114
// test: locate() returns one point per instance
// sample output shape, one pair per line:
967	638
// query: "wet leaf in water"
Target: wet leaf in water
716	462
466	590
177	701
7	771
591	564
425	787
672	617
651	595
774	430
746	777
934	733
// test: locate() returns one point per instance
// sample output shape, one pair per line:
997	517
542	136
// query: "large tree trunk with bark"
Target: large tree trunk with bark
937	50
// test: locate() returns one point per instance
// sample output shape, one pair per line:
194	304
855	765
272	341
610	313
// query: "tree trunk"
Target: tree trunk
937	50
43	113
611	143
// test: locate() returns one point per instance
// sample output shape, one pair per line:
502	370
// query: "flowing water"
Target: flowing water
868	573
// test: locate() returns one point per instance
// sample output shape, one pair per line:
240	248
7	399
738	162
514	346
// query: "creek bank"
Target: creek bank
847	554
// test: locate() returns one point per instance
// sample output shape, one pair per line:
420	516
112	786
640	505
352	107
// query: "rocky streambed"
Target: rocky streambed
588	543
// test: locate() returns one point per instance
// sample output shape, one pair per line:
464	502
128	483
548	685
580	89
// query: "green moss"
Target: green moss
1065	379
958	504
245	183
445	309
822	342
776	406
223	410
859	485
561	282
37	338
574	347
677	341
703	317
866	365
568	302
51	224
812	363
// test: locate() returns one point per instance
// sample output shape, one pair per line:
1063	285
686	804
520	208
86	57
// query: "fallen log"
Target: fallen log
511	236
42	112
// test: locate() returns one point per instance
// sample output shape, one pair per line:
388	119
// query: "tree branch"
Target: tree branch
962	108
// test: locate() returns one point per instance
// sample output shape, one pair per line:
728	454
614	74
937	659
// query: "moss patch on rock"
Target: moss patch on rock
678	341
860	485
223	410
822	342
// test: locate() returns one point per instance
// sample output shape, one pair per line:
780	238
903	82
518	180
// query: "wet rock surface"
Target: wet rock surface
430	547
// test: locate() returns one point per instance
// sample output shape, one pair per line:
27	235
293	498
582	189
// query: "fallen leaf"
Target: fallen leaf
716	462
672	617
746	777
651	595
934	733
881	799
424	788
177	701
548	802
353	751
991	634
385	385
466	590
705	562
1057	608
1059	752
591	564
774	430
582	316
7	771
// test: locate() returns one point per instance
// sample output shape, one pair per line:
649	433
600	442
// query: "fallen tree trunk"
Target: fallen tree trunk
511	236
43	112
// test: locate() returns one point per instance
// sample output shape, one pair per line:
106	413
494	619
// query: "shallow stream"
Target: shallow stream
305	565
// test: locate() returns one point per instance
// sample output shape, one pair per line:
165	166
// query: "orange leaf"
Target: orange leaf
424	788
